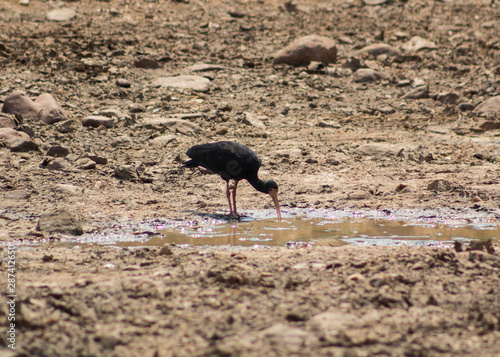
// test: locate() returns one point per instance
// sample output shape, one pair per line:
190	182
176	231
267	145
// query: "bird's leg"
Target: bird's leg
228	193
234	197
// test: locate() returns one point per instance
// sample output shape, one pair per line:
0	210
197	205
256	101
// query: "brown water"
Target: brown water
373	228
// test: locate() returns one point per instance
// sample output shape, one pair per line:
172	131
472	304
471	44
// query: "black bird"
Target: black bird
235	161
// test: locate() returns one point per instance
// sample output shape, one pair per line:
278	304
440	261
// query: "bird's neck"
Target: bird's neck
257	184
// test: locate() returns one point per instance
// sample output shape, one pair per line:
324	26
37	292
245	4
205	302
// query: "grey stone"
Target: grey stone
146	62
379	150
306	49
195	83
127	173
418	43
59	221
490	106
291	337
16	195
57	151
101	160
62	14
122	82
417	93
163	140
51	112
6	121
448	97
85	163
98	120
378	49
7	134
22	145
68	189
123	140
364	75
58	163
67	126
253	120
439	185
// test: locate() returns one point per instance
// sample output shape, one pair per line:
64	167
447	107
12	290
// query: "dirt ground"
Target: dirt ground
328	142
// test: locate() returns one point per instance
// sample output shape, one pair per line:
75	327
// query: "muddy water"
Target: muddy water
427	228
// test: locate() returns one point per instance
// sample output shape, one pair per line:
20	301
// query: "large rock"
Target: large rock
196	83
163	140
306	49
51	112
489	107
59	221
417	93
22	145
98	120
44	107
19	103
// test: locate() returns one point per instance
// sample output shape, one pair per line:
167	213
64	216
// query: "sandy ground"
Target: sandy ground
328	141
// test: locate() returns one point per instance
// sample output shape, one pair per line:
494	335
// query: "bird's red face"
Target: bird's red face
273	192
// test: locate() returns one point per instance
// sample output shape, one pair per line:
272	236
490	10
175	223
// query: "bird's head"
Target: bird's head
271	188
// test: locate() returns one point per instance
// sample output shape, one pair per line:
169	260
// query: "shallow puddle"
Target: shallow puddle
327	227
301	226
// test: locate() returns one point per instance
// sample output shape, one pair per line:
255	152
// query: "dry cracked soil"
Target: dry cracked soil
416	137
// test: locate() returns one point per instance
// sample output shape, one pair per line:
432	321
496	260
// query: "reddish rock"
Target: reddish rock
52	112
19	103
306	49
489	107
364	75
98	120
44	107
6	122
10	134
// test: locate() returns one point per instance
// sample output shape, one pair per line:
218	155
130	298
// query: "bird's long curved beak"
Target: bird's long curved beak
274	195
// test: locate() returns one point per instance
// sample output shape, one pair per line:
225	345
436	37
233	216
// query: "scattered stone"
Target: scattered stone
175	125
439	185
358	195
98	120
490	125
101	160
378	49
123	140
58	163
163	140
59	221
122	82
327	124
253	120
146	62
306	49
195	83
85	164
24	2
418	43
490	106
465	107
288	153
203	67
22	145
418	93
364	75
67	126
60	15
448	97
378	150
291	337
51	112
165	250
354	64
17	195
127	173
57	151
68	189
115	113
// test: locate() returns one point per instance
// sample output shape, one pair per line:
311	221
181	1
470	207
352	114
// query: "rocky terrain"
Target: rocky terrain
379	105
